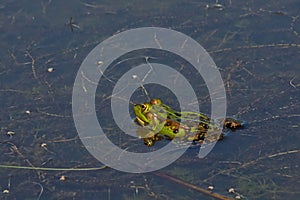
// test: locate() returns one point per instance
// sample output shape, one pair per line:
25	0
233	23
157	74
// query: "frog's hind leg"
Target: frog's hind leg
233	124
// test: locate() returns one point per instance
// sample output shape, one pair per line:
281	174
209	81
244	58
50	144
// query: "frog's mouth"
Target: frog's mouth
140	121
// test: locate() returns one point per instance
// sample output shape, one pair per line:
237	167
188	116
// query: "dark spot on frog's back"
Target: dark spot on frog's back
204	125
168	123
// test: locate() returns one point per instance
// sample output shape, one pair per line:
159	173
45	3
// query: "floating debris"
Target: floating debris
10	133
72	25
62	178
231	190
216	6
134	76
100	62
50	69
6	191
44	145
211	187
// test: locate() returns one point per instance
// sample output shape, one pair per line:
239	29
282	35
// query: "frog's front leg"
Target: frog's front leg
149	133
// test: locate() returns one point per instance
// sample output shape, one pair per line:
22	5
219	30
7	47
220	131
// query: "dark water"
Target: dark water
256	46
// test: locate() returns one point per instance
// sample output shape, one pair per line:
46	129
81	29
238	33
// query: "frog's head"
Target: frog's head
142	112
152	113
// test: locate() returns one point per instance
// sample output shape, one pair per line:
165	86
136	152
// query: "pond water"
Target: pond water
255	46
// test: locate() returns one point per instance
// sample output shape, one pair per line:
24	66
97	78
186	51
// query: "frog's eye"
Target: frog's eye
175	131
143	106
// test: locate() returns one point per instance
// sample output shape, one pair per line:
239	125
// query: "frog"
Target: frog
163	122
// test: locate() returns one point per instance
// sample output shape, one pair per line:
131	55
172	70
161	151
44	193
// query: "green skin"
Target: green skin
163	122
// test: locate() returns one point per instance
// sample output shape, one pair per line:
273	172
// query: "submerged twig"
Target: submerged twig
52	168
191	186
33	66
252	162
292	84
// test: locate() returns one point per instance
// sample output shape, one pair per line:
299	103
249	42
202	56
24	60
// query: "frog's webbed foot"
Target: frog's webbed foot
150	141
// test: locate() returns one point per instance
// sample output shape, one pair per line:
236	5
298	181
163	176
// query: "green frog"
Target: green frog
162	122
